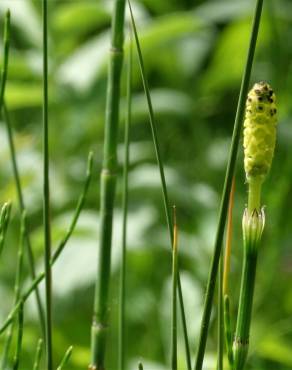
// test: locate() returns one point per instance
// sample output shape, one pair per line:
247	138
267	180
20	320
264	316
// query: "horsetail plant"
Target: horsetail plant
226	189
107	191
259	144
5	114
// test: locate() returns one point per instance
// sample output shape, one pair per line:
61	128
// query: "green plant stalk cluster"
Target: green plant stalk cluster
58	251
107	190
4	112
226	190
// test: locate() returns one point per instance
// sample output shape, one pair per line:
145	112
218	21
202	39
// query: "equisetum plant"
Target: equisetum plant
259	144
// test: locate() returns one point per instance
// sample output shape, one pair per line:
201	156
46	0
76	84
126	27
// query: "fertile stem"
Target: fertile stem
46	194
107	190
174	295
226	190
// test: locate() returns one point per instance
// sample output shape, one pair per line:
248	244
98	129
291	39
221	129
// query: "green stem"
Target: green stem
4	222
4	71
226	190
241	340
107	190
220	334
19	338
254	194
227	330
18	275
59	249
125	214
65	358
46	194
163	181
38	355
174	298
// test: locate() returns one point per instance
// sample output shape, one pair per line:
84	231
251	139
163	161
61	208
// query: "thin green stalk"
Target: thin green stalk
59	249
18	276
227	330
19	338
241	339
163	181
125	214
174	295
46	195
226	190
66	358
220	348
4	221
107	190
38	355
4	71
30	255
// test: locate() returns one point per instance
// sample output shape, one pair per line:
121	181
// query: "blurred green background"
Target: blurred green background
194	54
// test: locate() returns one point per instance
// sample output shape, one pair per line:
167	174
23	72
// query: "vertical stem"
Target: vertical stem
241	340
220	350
18	276
125	214
19	338
226	190
107	190
174	295
36	365
6	41
46	194
163	181
254	195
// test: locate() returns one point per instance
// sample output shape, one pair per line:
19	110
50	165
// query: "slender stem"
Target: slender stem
4	222
125	214
4	71
226	190
254	195
241	340
227	330
59	249
38	355
220	350
163	181
107	190
228	243
19	338
174	295
46	194
65	358
18	276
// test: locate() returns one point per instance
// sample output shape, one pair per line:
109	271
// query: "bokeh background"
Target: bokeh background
194	55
